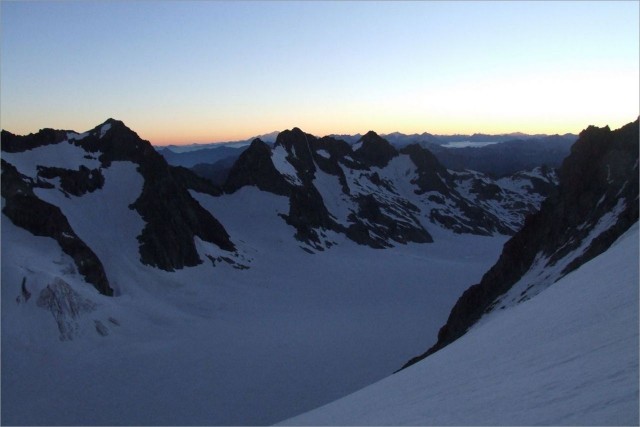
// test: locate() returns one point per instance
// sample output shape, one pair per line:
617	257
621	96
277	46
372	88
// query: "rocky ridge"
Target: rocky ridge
595	203
379	196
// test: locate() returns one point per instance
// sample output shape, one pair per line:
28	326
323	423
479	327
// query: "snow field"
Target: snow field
207	345
62	155
569	356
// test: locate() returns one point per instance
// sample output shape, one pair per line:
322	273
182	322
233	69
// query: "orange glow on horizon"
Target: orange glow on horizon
161	133
446	128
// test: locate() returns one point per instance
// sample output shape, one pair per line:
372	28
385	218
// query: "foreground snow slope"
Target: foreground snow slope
568	356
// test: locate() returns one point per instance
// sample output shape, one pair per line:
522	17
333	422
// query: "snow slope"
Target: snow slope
217	345
568	356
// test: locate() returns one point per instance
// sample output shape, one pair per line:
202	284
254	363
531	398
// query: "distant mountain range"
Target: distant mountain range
395	138
496	155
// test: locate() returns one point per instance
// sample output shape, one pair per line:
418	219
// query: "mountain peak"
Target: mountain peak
112	125
375	150
288	137
255	167
112	121
298	146
371	136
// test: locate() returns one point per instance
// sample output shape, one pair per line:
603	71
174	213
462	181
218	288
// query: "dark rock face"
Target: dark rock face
172	219
486	191
254	167
431	173
299	148
40	218
77	183
339	152
116	142
599	177
15	144
386	227
172	216
189	179
307	213
375	150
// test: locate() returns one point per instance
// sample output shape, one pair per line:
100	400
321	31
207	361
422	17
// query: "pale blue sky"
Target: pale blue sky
180	72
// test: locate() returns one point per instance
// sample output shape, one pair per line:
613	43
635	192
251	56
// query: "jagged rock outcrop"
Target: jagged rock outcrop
330	155
374	150
75	182
254	167
595	203
40	218
307	213
386	227
298	145
432	175
12	143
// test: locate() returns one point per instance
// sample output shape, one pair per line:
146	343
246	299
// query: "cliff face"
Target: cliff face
595	203
254	167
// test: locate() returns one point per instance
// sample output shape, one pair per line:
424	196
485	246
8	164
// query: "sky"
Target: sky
205	71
